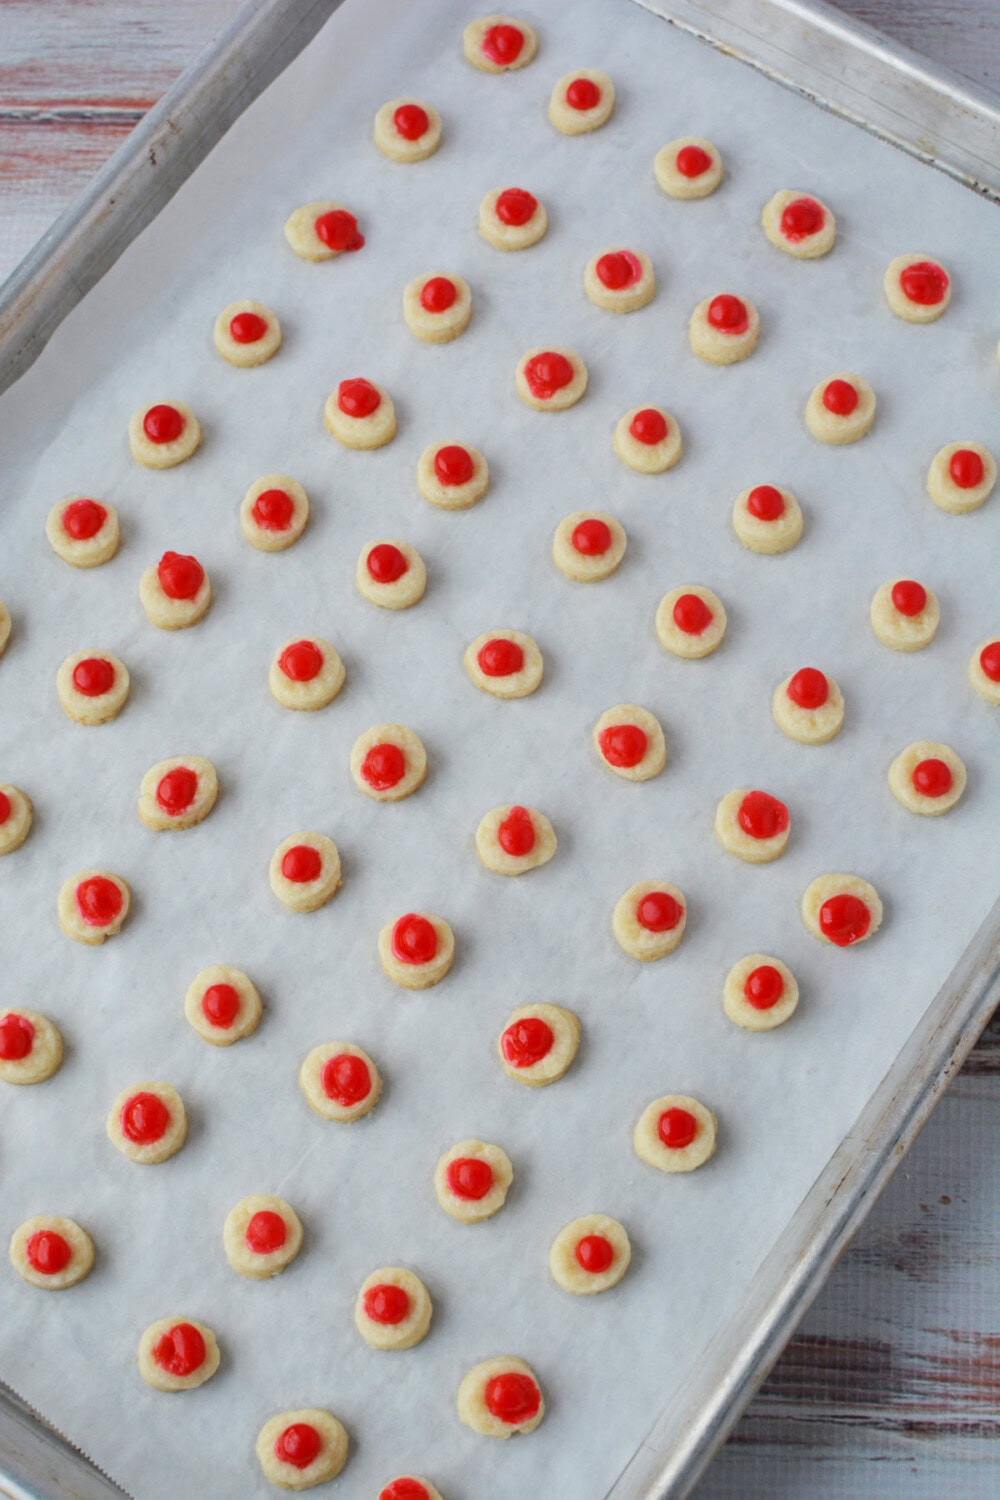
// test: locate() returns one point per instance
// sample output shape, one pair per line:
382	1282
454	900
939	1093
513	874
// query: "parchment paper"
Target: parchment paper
609	1364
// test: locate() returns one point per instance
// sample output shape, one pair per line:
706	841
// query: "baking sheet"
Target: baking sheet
610	1364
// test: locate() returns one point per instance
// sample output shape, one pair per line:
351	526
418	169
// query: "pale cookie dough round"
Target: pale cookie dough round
259	330
181	574
931	282
632	282
984	670
223	1005
49	1241
899	630
285	1441
767	812
306	673
730	343
31	1047
841	909
409	1487
501	1397
499	44
816	719
829	425
602	546
274	512
169	1347
107	691
481	1192
148	1123
525	828
550	379
395	578
168	800
396	771
504	663
690	644
800	224
594	96
539	1042
261	1236
179	429
437	325
16	815
305	894
387	1321
412	143
646	928
590	1255
764	524
633	757
455	491
403	942
304	237
356	419
695	1135
776	999
82	531
701	177
641	454
946	492
93	906
943	780
512	219
340	1082
4	627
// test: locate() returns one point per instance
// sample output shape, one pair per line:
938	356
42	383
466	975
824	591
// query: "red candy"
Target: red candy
592	538
404	1489
4	808
512	1398
181	1350
989	660
618	269
526	1042
358	398
594	1253
247	327
301	661
658	911
469	1177
453	465
692	161
840	397
98	900
728	314
966	468
273	510
932	778
547	373
177	790
386	563
48	1252
677	1128
83	519
93	677
764	987
765	502
180	576
844	919
266	1232
925	283
384	767
301	863
414	940
502	44
909	597
516	834
386	1304
762	816
299	1445
691	614
515	207
500	658
346	1079
220	1005
438	294
339	230
144	1119
16	1037
163	424
808	688
802	218
411	121
648	426
623	744
583	93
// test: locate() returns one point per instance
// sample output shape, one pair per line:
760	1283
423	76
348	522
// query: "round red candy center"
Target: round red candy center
989	660
144	1119
840	397
266	1232
93	676
5	808
301	863
692	161
83	519
438	294
692	614
358	398
301	661
594	1253
248	327
502	44
515	207
728	314
764	987
405	1488
180	576
453	465
966	468
765	502
658	911
801	218
623	744
762	816
512	1398
177	790
48	1252
414	940
180	1351
163	424
648	426
386	563
500	658
273	510
526	1042
618	269
516	834
346	1079
909	597
932	777
220	1005
16	1037
299	1445
338	230
384	767
583	93
843	919
386	1303
924	282
547	373
98	900
592	537
469	1177
677	1128
411	121
809	688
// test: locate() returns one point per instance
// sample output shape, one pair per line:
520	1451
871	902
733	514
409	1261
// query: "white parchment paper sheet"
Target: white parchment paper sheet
610	1364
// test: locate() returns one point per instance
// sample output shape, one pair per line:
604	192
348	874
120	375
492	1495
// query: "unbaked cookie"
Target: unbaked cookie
92	686
582	102
539	1043
984	670
588	545
512	218
299	1449
322	230
274	512
407	130
261	1236
391	574
760	993
82	531
452	476
51	1252
360	414
752	825
620	280
648	439
178	793
501	1397
512	839
31	1046
691	621
799	224
551	379
340	1081
498	44
724	329
409	1487
437	307
147	1123
223	1005
808	707
247	333
630	742
16	815
305	871
472	1180
917	288
163	434
649	919
305	673
841	909
590	1255
388	762
393	1310
689	167
905	614
675	1133
841	409
505	663
93	906
176	593
961	477
176	1354
767	519
927	778
416	950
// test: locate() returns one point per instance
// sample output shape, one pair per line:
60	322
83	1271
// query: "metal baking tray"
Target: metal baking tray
854	72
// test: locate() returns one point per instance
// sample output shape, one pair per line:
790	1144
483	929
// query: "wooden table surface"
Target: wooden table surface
891	1387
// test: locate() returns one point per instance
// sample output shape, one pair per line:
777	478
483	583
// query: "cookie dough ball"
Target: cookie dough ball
724	329
178	793
752	825
512	218
82	531
984	670
504	663
927	778
582	102
176	1354
917	288
691	621
407	130
16	815
808	707
391	574
501	1397
148	1123
689	167
247	333
539	1043
388	762
223	1005
452	476
799	224
164	434
299	1449
630	742
905	614
620	280
323	230
306	673
760	993
340	1082
961	477
649	919
305	871
588	545
472	1181
841	909
360	414
648	439
92	686
551	379
841	409
499	44
437	307
416	950
261	1236
176	593
767	519
512	839
51	1252
93	906
590	1255
675	1133
393	1310
409	1487
274	512
31	1047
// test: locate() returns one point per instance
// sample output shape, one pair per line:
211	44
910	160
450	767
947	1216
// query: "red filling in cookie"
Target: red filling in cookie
677	1128
346	1079
844	919
180	1351
180	576
386	1304
469	1177
163	424
515	207
909	597
301	661
527	1041
453	465
414	940
512	1397
762	816
358	398
764	987
98	900
547	373
924	282
500	658
728	314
